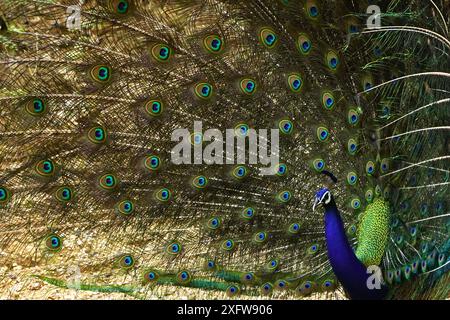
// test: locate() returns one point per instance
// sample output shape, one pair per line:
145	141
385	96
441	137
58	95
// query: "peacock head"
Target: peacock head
323	197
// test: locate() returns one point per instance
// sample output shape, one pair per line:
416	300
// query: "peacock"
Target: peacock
91	93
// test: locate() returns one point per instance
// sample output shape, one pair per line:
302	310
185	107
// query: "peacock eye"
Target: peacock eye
304	44
213	44
163	195
36	107
200	182
286	126
101	73
332	60
154	108
312	9
268	38
248	86
161	53
295	82
108	181
203	90
328	101
322	134
45	168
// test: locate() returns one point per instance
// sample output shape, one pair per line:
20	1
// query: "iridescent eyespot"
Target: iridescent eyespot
272	265
248	277
214	44
248	213
200	182
266	288
319	165
414	267
332	60
424	209
305	288
241	130
154	108
126	261
260	237
385	112
413	231
119	6
404	206
151	276
367	82
108	181
313	249
439	207
286	126
232	290
281	284
378	190
239	172
351	230
101	73
352	146
353	28
304	44
53	242
312	9
161	52
36	107
183	277
370	168
352	178
203	90
387	192
97	135
377	52
390	276
328	101
248	86
295	82
284	196
294	228
64	194
328	285
152	163
425	247
173	248
369	195
125	207
355	203
384	165
268	38
213	223
45	168
353	117
196	138
281	170
322	134
5	195
163	195
210	264
228	245
423	266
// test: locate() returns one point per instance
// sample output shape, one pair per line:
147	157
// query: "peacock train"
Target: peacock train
320	170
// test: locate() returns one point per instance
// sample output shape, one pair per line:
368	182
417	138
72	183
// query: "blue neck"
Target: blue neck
351	273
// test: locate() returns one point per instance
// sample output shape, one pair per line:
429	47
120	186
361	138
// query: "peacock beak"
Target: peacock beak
322	197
